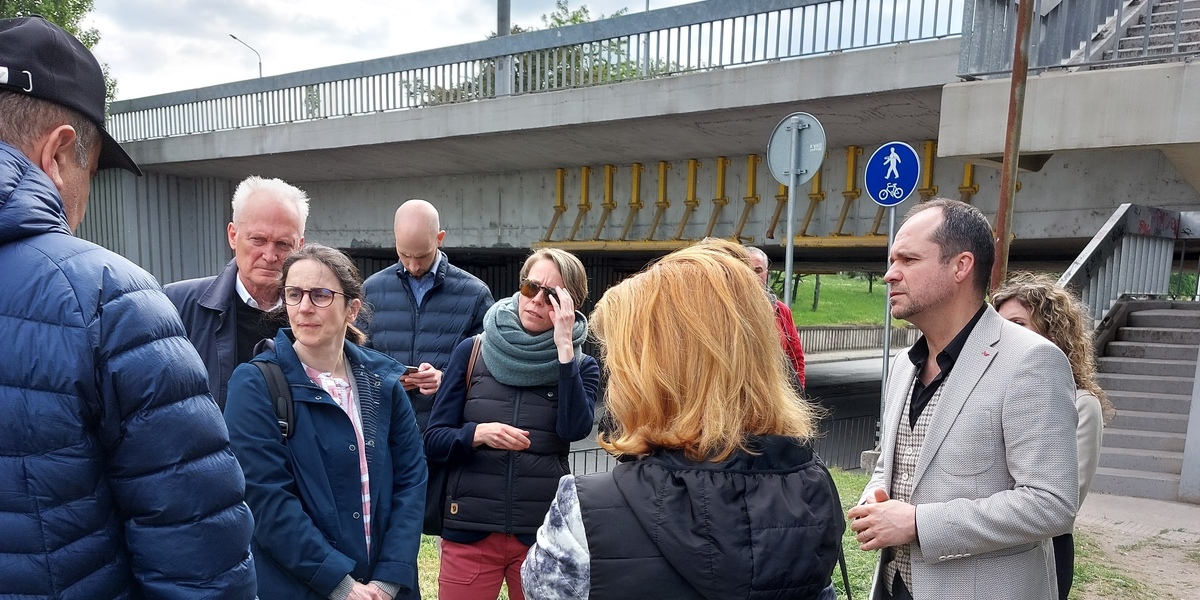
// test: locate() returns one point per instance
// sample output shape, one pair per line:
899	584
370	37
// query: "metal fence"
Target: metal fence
1078	34
703	36
854	337
840	444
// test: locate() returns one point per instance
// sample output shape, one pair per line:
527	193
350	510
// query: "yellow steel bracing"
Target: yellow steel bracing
560	204
721	199
814	198
663	202
780	203
845	241
877	222
692	201
585	203
928	189
635	199
851	192
968	188
610	171
751	197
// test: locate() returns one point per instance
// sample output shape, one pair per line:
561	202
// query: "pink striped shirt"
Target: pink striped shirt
343	393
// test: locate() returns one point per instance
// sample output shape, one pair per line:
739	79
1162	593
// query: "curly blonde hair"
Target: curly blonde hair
1063	319
694	359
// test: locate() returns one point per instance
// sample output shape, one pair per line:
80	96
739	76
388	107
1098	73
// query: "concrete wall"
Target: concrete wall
1070	197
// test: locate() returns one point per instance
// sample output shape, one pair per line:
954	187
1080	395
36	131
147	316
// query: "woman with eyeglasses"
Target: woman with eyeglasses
505	440
337	502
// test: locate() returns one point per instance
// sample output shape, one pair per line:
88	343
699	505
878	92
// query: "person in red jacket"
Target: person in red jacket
788	336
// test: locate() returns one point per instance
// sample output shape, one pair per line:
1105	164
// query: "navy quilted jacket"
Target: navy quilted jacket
116	477
452	311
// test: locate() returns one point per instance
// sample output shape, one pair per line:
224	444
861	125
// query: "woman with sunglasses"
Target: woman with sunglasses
505	440
338	501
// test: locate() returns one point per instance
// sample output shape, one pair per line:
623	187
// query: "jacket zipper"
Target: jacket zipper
512	458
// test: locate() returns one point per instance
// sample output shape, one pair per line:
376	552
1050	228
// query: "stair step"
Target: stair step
1138	484
1178	404
1159	40
1160	335
1170	6
1163	422
1144	440
1151	350
1158	51
1154	461
1151	367
1171	16
1169	318
1163	27
1141	383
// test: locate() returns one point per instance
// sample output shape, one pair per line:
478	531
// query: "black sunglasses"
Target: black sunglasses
320	297
530	289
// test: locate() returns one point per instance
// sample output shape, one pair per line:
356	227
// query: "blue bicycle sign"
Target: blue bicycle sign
892	173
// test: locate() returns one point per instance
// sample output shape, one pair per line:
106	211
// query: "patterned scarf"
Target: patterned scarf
518	358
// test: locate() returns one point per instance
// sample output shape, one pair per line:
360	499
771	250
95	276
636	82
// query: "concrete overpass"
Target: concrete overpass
624	164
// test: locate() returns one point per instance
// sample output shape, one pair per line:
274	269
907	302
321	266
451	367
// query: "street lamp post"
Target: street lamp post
239	40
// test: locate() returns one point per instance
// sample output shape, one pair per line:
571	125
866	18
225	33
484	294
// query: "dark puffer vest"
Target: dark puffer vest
500	491
765	526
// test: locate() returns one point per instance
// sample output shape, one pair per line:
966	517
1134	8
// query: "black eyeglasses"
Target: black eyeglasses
530	289
320	297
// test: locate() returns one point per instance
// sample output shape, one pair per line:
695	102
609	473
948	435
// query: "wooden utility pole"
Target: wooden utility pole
1012	141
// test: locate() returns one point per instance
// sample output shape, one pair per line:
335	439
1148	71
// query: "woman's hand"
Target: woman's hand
562	312
367	592
501	436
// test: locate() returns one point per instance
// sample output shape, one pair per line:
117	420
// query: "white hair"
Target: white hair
755	251
277	189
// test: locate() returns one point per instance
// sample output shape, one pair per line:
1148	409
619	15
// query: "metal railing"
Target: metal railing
1132	254
853	337
695	37
839	444
1078	34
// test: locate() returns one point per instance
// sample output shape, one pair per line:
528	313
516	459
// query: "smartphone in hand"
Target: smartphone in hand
409	370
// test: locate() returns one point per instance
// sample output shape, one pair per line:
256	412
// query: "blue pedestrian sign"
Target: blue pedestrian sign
892	173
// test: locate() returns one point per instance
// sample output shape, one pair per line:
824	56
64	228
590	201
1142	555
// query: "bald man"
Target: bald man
424	306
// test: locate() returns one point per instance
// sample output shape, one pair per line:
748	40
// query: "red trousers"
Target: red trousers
475	571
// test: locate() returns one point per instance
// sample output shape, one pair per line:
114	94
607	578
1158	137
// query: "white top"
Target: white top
1087	437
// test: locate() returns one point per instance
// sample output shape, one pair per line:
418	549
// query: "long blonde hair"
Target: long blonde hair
694	358
1062	319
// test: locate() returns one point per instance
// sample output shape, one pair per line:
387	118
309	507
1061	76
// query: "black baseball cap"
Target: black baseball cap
40	59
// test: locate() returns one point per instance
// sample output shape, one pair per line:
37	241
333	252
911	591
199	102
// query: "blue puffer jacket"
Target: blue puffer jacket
452	311
116	477
306	493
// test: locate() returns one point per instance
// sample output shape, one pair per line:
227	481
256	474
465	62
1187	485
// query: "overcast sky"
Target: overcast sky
156	46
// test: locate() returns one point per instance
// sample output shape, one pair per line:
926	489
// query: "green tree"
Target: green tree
67	14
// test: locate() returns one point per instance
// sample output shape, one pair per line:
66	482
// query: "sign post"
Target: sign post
891	176
794	153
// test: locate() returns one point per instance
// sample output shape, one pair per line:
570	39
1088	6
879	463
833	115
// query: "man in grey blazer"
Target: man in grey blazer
978	466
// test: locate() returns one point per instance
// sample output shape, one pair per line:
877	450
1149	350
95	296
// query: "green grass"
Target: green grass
844	300
1093	574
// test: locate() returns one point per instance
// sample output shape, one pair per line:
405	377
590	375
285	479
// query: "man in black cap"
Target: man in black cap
116	478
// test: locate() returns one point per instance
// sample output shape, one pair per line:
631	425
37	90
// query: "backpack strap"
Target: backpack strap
281	396
474	356
841	552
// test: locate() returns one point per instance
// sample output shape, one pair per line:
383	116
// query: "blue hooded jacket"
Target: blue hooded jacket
116	477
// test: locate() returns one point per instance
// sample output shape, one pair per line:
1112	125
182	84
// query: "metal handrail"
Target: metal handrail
689	38
1075	33
1132	254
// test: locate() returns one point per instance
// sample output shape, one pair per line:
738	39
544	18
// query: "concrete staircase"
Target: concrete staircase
1163	24
1148	373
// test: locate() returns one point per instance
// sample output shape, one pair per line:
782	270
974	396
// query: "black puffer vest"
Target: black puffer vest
503	491
753	526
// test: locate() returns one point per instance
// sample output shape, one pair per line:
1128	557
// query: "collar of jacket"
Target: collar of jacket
439	276
221	291
29	202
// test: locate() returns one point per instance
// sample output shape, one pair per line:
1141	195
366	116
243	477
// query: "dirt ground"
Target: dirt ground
1159	549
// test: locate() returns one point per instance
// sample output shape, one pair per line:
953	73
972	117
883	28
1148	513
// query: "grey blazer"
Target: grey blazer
997	474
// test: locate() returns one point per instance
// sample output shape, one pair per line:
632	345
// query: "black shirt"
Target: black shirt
253	326
922	394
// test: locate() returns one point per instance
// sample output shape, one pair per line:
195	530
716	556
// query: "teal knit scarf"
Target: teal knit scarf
518	358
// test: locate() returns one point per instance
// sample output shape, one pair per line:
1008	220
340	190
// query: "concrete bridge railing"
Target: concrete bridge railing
832	338
703	36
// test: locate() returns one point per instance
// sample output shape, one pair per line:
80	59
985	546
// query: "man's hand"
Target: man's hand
501	436
883	523
426	380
